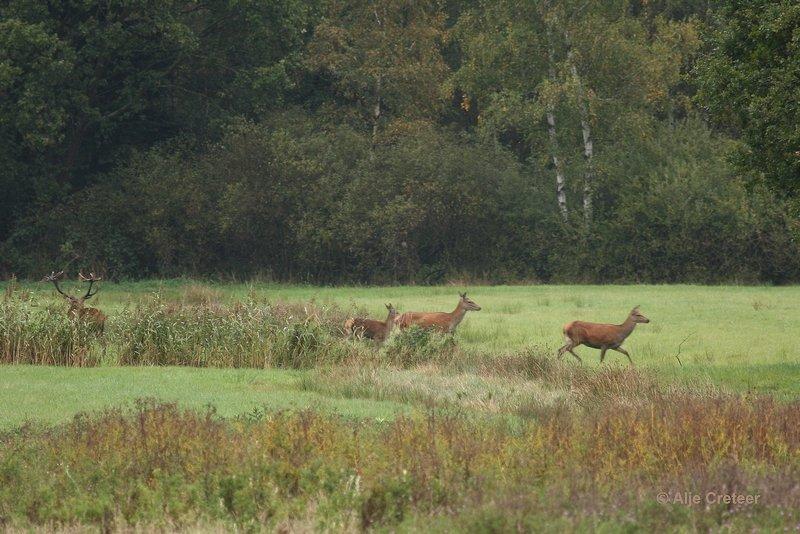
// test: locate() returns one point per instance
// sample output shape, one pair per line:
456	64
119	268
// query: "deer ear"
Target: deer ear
388	306
463	295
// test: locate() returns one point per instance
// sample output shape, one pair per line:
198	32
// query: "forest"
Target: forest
402	141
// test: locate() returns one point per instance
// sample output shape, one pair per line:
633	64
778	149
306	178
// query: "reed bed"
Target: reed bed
196	332
198	329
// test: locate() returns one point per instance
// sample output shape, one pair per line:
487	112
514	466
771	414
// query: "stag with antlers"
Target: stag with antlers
77	310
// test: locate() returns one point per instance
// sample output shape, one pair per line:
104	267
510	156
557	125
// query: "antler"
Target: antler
92	278
55	277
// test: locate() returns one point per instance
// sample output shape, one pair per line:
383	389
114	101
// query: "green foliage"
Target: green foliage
683	219
347	142
383	58
749	80
83	83
414	346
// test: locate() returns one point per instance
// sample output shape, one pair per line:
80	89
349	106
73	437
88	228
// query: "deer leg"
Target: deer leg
573	353
603	354
569	344
625	352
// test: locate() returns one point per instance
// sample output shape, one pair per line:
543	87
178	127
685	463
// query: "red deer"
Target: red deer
370	328
600	336
442	321
77	310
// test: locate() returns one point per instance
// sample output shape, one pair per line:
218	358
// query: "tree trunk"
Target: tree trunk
376	112
376	109
561	192
588	146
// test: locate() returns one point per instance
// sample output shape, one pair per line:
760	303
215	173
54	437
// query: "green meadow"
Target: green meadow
726	337
713	325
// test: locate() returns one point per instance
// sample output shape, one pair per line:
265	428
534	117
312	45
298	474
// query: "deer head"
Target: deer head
637	317
468	303
75	303
392	313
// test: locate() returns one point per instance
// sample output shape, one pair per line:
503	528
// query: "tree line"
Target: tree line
389	141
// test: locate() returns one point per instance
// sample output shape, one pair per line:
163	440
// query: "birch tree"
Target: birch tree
511	70
586	131
383	59
575	78
558	165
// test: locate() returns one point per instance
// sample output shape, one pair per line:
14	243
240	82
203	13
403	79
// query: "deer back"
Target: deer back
434	320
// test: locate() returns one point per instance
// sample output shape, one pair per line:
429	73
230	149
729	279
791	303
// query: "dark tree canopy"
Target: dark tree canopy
358	141
83	83
750	81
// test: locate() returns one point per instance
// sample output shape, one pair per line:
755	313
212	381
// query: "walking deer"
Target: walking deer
600	336
442	321
370	328
77	310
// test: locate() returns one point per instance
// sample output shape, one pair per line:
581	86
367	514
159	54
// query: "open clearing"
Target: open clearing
721	325
737	338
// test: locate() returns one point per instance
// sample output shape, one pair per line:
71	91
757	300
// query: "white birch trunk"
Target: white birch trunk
588	145
561	192
376	112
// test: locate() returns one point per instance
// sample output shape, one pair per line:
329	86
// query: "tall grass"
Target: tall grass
43	334
195	332
159	465
199	330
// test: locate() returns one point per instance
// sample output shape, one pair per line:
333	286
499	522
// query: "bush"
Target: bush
291	199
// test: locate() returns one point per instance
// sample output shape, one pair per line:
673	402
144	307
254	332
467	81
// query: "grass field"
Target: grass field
731	400
55	394
735	337
721	325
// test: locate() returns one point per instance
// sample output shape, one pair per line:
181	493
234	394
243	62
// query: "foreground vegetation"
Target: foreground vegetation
599	467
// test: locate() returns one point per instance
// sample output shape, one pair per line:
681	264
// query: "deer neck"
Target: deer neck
457	315
75	309
389	324
627	327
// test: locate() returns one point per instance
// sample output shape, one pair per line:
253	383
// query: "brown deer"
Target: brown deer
77	310
600	336
441	321
370	328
